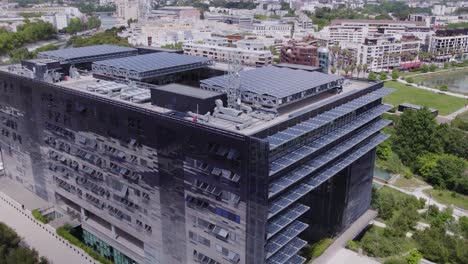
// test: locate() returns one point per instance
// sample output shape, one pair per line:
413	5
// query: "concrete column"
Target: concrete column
114	235
83	214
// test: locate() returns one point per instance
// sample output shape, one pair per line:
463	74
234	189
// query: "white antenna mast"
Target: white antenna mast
234	92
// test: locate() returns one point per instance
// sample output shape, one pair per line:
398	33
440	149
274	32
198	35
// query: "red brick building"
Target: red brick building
299	53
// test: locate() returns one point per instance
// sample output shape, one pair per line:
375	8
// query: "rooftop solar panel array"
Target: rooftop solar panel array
315	164
310	148
313	123
150	65
288	198
275	81
82	53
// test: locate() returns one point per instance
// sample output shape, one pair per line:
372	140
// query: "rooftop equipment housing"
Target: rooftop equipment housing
185	98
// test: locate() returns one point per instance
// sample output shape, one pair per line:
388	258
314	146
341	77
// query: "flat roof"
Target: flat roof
297	66
153	62
276	81
78	53
187	90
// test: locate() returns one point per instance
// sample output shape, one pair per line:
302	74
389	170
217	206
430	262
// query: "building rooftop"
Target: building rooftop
276	81
149	65
187	91
87	54
297	66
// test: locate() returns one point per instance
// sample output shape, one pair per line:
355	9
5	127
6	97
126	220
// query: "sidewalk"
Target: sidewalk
331	253
40	236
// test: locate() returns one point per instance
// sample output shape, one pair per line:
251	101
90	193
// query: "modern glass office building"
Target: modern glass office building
170	174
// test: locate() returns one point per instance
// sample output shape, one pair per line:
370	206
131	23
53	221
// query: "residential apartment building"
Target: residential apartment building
299	53
252	55
356	30
382	52
274	29
448	43
175	174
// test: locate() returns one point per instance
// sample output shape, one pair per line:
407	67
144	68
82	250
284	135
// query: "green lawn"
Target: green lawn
464	116
412	182
448	197
446	104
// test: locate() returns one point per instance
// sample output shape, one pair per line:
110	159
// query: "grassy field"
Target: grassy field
464	116
407	94
412	182
448	197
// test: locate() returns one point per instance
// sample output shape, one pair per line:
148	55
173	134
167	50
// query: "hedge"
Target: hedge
64	233
39	217
320	247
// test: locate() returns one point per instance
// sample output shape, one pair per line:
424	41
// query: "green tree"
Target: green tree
454	140
384	150
432	67
414	257
395	74
93	22
409	80
74	26
416	134
372	76
18	55
383	76
424	68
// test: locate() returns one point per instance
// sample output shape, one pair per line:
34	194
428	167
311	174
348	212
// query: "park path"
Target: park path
419	193
40	236
433	90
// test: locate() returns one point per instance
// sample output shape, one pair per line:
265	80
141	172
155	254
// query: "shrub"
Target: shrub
432	67
414	257
353	245
39	217
372	76
383	76
63	231
443	88
320	247
395	261
410	80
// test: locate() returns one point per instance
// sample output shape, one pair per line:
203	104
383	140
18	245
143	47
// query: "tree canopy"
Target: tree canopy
416	134
12	253
107	37
29	32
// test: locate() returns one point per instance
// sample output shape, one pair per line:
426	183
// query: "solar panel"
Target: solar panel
281	221
78	53
333	114
314	164
299	191
275	81
284	237
318	143
149	65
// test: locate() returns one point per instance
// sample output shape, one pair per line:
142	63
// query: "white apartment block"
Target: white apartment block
171	31
59	21
382	52
248	56
357	30
449	42
274	29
